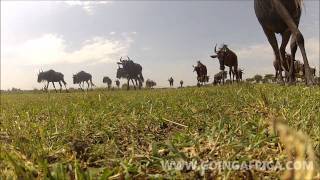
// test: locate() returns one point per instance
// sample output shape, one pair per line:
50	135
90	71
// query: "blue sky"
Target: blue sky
166	38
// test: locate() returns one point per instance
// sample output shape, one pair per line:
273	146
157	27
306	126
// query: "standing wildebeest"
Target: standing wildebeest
118	83
228	58
52	76
240	73
130	71
107	80
300	70
150	83
170	81
284	66
201	70
181	84
219	77
82	77
283	16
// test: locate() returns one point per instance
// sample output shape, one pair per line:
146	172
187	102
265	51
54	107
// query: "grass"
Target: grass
128	134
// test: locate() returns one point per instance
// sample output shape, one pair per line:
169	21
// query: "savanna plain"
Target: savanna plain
120	134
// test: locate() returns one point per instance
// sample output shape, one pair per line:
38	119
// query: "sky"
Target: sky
165	37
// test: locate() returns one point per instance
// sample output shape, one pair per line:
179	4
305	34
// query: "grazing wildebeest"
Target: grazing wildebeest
228	58
283	17
218	78
52	76
170	81
130	71
117	83
107	80
82	77
201	70
150	83
181	83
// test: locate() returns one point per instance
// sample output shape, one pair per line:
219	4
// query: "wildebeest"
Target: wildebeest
52	76
107	80
228	58
150	83
283	17
240	73
117	83
181	83
170	81
201	70
300	70
130	71
284	66
82	77
219	77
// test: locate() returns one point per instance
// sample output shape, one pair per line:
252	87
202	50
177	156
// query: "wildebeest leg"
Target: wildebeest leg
46	86
128	84
88	85
60	86
296	36
230	69
285	39
134	86
65	84
80	86
54	86
274	44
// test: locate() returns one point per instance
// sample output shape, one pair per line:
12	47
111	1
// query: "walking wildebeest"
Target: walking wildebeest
219	77
107	80
130	71
228	58
201	70
150	83
170	81
52	76
117	83
283	17
82	77
181	84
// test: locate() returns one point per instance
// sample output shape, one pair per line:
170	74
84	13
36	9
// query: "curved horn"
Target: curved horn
215	48
128	57
121	59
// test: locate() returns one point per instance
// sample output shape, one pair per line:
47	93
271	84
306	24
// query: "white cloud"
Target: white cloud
87	6
51	49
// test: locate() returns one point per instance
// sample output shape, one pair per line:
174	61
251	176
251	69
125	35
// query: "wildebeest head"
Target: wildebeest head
121	73
220	54
41	76
75	79
196	68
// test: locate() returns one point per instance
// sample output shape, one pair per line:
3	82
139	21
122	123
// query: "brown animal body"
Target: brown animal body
283	17
228	58
201	70
170	81
219	77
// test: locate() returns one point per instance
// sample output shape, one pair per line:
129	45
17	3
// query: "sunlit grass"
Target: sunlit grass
128	133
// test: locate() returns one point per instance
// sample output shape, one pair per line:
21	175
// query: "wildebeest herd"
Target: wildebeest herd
275	17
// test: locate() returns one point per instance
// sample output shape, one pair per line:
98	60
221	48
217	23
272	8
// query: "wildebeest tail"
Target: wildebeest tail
141	77
91	82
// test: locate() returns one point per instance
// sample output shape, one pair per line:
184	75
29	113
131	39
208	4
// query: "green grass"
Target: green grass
127	134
